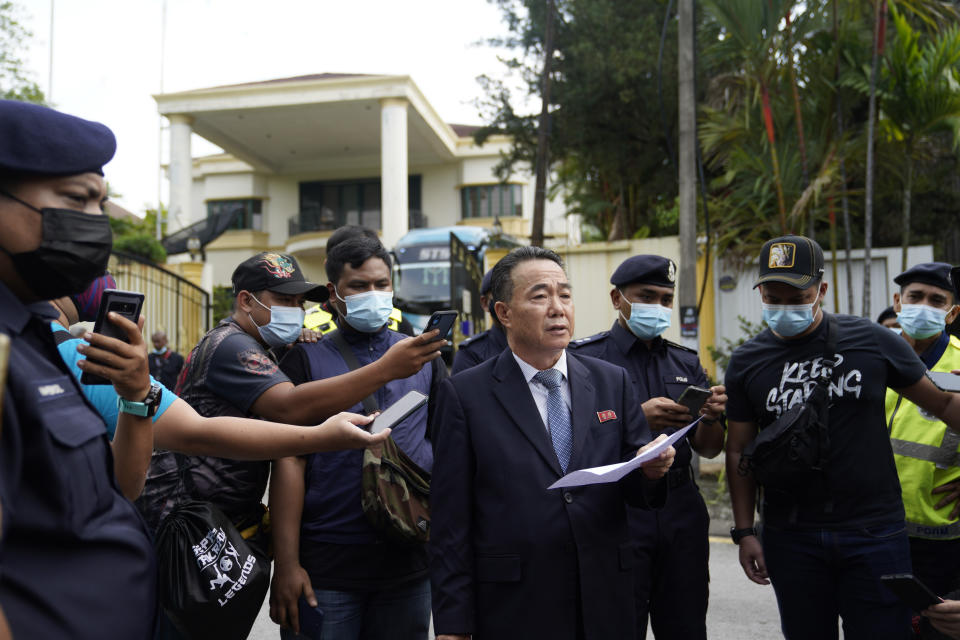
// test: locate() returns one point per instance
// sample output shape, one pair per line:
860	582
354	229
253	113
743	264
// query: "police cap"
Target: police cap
39	140
936	274
649	269
276	272
487	283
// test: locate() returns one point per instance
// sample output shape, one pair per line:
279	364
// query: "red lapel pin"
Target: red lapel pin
609	414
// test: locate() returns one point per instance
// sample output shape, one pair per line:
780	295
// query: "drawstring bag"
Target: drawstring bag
212	581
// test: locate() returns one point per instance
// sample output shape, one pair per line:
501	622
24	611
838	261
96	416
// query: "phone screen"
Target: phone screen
398	411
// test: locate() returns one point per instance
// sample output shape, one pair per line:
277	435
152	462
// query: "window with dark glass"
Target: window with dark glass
249	216
490	200
328	204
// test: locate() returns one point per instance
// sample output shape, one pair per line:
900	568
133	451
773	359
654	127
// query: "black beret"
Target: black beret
487	283
649	269
40	140
886	314
932	273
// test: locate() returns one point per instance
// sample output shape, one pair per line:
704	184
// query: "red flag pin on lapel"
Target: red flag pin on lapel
609	414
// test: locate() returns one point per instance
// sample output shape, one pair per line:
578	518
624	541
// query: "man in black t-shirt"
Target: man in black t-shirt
824	550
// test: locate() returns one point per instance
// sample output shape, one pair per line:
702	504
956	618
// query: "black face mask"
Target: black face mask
74	250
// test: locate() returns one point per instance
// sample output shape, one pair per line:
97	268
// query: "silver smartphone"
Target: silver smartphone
398	411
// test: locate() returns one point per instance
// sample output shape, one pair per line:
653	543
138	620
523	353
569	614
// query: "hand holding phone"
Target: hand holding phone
693	398
398	411
311	619
442	321
128	361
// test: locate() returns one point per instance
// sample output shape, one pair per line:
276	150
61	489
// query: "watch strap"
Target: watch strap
739	534
134	408
147	408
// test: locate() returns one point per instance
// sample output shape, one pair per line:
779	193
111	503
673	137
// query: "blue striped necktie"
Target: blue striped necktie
558	417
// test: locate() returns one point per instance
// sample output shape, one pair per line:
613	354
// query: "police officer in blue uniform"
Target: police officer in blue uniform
486	344
75	558
672	545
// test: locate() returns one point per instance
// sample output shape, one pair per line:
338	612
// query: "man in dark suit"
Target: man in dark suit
509	558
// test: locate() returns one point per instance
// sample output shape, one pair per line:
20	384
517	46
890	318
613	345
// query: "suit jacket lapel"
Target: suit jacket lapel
512	391
583	401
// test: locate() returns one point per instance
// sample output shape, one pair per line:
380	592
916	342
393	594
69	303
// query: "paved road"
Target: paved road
738	608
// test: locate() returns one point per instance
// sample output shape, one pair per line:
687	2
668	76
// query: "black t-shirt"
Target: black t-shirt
768	375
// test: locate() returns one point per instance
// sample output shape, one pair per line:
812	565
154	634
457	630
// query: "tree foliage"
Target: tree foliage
608	142
775	159
15	80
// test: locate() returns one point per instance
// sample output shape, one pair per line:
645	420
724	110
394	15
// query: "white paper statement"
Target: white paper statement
613	472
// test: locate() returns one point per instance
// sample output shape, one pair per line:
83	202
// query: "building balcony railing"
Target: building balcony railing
311	221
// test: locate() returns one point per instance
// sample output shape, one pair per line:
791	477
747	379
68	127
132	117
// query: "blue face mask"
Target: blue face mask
368	311
647	321
284	326
788	320
920	321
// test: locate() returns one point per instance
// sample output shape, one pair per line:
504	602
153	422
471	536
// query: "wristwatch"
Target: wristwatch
740	534
147	408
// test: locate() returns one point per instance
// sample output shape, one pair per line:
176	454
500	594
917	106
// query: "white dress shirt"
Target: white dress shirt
540	392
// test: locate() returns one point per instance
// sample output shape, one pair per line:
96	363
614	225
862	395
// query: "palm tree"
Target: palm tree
921	97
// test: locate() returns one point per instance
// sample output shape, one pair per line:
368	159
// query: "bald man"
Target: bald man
165	363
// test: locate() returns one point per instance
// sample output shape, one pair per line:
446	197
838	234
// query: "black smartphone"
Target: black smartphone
398	411
944	380
442	320
693	398
311	620
910	590
126	303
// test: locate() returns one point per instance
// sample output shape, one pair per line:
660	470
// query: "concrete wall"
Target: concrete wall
589	267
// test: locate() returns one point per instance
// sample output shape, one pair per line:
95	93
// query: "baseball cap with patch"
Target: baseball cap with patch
277	272
793	260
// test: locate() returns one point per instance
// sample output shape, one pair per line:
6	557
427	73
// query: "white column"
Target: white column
181	171
393	170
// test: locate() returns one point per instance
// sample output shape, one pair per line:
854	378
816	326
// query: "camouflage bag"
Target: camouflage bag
395	494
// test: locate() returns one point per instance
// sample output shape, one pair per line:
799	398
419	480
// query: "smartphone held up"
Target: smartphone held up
124	303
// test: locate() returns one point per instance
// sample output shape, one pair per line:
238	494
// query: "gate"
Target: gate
172	303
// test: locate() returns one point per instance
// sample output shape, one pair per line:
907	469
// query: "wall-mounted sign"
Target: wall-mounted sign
688	322
727	283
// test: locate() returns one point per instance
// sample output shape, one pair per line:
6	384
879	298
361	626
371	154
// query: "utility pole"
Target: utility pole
543	134
163	51
687	116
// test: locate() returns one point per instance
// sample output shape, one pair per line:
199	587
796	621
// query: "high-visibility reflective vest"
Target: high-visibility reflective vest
319	319
926	454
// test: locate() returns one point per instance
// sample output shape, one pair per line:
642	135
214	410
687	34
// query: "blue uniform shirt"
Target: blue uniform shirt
480	348
75	558
663	370
103	397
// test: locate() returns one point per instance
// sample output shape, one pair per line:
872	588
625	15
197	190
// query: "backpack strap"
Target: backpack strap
829	353
369	403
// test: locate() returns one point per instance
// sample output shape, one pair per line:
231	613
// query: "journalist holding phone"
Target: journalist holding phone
327	553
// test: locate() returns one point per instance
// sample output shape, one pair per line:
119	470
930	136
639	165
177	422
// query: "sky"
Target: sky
107	59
